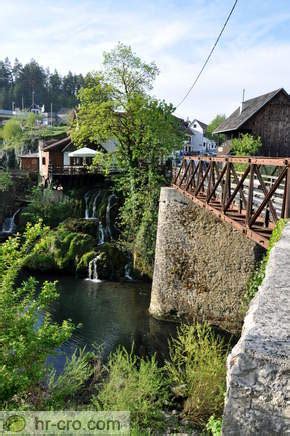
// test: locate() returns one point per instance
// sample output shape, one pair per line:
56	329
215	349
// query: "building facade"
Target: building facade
266	116
197	142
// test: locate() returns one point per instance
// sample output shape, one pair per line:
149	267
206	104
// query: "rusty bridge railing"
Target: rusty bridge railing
252	194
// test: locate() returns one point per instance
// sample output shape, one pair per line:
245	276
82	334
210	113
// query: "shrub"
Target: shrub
214	426
63	390
25	343
246	145
5	181
59	249
136	385
50	208
197	372
259	274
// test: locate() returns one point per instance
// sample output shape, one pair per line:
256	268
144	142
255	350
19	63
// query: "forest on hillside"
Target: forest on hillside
20	84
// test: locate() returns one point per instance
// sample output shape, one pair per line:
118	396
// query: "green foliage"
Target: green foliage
60	250
216	122
25	343
246	145
12	132
197	372
62	389
49	207
259	274
5	181
214	426
115	105
136	385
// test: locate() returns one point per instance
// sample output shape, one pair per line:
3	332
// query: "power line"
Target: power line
209	56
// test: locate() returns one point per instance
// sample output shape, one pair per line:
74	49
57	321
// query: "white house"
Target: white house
197	142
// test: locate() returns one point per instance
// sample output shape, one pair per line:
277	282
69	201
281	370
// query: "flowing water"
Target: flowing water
9	225
110	314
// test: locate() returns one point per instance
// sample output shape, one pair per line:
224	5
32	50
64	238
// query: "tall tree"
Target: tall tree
218	119
115	104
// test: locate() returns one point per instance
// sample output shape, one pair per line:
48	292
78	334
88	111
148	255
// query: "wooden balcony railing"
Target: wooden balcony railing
249	193
75	170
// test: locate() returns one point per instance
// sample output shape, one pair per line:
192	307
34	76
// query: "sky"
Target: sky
254	53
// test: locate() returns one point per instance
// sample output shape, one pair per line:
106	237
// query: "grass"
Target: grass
197	372
137	385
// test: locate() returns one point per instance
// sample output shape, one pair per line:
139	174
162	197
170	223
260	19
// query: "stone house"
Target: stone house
266	116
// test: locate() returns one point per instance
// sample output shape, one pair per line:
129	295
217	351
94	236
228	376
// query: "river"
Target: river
109	314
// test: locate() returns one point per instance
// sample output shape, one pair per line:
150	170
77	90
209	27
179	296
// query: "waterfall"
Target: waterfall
87	211
127	274
101	234
95	204
9	225
91	199
93	270
108	215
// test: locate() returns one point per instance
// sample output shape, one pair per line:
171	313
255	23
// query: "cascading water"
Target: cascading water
87	212
127	274
9	225
101	234
93	270
95	204
110	204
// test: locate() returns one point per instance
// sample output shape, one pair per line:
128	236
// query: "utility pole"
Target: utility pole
244	92
51	114
22	103
33	97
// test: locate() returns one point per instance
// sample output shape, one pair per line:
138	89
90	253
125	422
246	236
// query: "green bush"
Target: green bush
51	208
62	391
246	145
259	274
197	372
136	385
60	250
5	181
214	426
24	347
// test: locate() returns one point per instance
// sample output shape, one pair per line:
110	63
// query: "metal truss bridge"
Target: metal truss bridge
250	193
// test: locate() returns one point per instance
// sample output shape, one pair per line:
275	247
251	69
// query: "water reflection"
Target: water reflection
110	314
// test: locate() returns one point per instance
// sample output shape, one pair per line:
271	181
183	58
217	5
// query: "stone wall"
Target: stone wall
202	265
258	381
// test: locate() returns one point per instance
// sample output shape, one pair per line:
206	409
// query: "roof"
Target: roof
83	152
202	125
249	108
59	145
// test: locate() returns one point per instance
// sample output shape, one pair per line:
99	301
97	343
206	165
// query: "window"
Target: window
43	161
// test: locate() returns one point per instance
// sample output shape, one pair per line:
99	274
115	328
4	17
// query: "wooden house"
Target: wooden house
29	162
266	116
62	158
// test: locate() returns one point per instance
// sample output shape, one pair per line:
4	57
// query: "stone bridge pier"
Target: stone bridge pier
202	268
202	265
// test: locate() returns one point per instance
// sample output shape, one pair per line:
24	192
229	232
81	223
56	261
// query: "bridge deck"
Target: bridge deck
249	193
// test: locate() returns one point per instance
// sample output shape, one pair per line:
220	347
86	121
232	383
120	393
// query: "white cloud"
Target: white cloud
73	34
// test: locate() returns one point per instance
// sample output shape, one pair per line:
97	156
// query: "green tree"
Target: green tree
217	121
5	181
246	145
25	345
115	104
12	132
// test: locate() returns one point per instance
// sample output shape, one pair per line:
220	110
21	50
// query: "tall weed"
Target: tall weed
197	372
